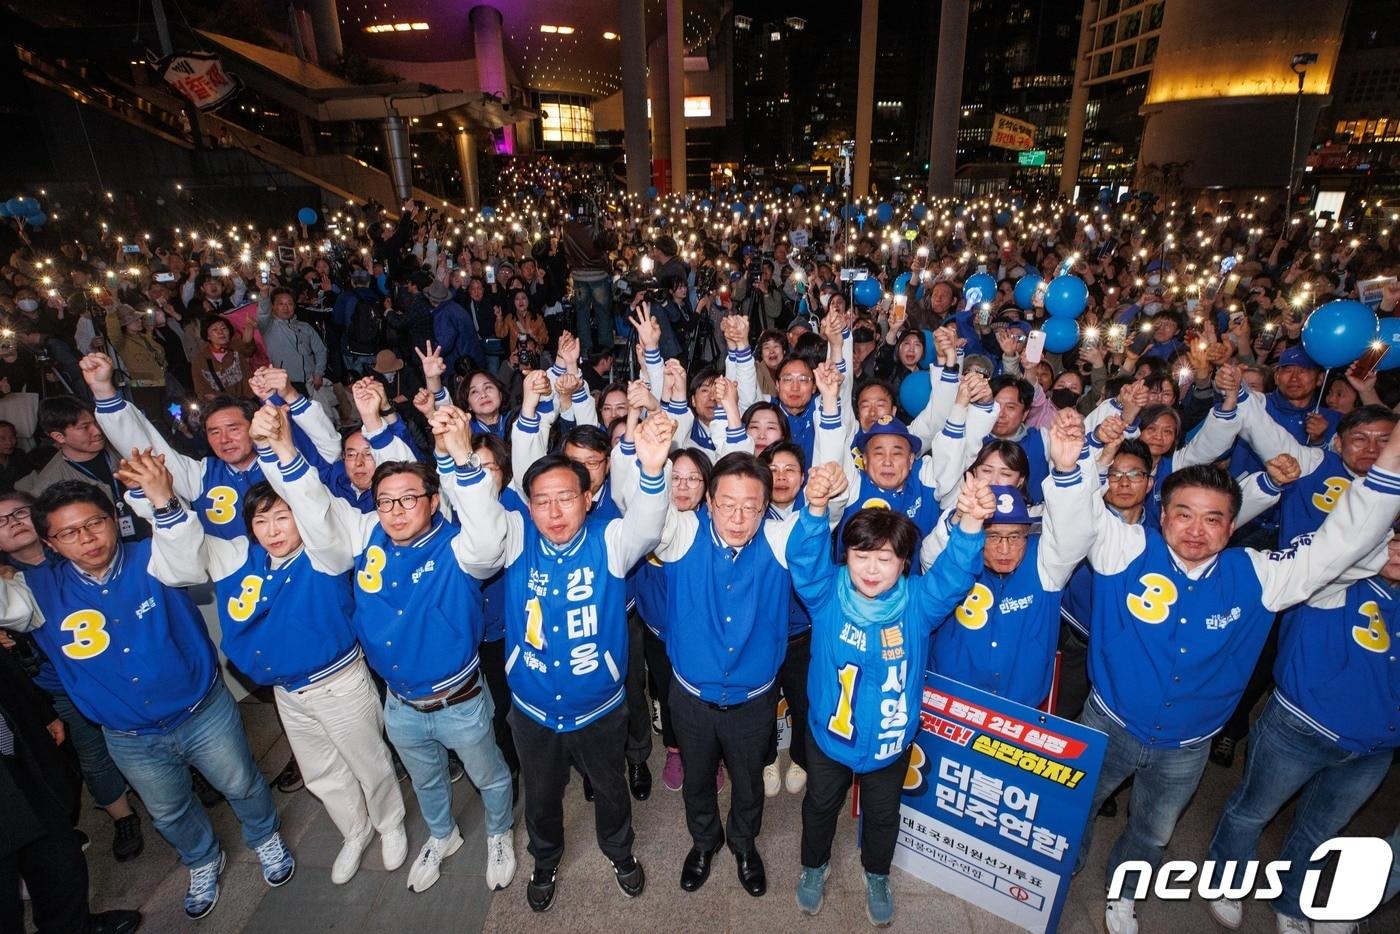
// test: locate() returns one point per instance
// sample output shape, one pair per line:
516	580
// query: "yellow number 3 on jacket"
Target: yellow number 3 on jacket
371	577
1154	604
89	631
1372	637
223	504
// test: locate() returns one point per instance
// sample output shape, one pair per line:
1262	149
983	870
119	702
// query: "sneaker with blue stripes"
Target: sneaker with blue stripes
203	892
277	862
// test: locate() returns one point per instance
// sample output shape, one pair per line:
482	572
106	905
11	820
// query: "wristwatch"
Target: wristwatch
169	508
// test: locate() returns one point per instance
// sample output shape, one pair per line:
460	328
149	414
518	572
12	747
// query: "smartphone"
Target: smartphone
1142	341
1035	346
1268	338
984	314
130	248
490	275
164	277
1116	337
1090	340
1366	364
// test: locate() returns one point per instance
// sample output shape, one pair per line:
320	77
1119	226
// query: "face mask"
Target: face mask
825	299
1063	398
28	304
1151	308
1154	279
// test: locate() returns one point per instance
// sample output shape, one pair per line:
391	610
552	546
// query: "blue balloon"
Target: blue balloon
738	207
914	391
488	211
979	288
1066	297
651	191
919	212
1018	202
4	209
1003	218
884	211
799	189
1060	334
1339	332
706	204
868	292
307	216
18	207
37	219
1025	290
1390	334
930	349
901	282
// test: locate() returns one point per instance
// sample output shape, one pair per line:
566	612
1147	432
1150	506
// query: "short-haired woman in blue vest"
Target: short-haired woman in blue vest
870	631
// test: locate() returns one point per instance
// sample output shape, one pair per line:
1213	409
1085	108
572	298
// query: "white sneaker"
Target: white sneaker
1119	917
347	861
393	848
1290	925
1229	912
500	860
425	869
772	781
796	779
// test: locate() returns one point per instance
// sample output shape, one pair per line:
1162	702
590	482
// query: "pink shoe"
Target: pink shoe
673	772
719	777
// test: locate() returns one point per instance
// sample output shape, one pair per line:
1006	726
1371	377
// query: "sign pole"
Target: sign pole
167	49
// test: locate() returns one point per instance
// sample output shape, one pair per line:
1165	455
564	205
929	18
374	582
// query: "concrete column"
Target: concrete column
632	26
1078	103
466	164
865	96
947	97
398	154
675	73
491	61
325	23
659	92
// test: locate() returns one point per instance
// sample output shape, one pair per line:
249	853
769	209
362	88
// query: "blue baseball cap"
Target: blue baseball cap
1011	507
1296	356
888	425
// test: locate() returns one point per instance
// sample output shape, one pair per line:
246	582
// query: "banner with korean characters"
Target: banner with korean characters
995	802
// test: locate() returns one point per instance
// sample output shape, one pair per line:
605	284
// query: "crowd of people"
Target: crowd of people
507	495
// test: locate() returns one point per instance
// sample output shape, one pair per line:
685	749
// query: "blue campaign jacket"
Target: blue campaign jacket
865	682
1307	502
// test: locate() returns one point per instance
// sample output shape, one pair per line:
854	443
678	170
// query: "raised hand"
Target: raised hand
433	365
275	380
828	381
726	393
640	398
736	331
1227	383
675	380
1110	431
824	483
976	503
1006	339
97	373
569	351
147	472
565	387
653	440
369	397
1283	470
1066	439
1132	398
648	328
535	387
424	402
452	431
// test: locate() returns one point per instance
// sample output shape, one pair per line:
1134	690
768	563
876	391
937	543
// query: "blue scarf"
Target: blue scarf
865	611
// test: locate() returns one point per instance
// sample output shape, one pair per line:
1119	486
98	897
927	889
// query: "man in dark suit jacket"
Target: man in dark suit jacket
37	841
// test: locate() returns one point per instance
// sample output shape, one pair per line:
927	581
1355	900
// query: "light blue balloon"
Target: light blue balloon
706	204
1390	333
914	391
979	288
1339	332
919	212
1025	290
868	292
901	282
1060	334
884	211
1003	218
488	211
651	191
37	219
1066	297
17	207
307	216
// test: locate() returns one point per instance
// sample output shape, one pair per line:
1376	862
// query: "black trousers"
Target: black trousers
740	736
1074	673
56	873
880	791
793	677
638	707
1261	680
493	669
659	679
545	758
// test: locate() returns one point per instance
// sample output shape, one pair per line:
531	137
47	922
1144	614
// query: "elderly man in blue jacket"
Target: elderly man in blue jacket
453	329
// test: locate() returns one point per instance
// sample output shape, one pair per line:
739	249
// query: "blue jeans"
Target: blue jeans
1164	779
423	739
1286	754
104	780
595	298
213	741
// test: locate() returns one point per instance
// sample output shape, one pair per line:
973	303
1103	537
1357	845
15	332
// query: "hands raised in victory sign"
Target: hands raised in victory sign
648	328
825	482
147	472
433	365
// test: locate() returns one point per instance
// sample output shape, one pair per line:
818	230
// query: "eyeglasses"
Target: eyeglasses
16	517
562	500
682	481
70	535
727	510
1005	538
353	455
1133	475
407	501
797	378
592	464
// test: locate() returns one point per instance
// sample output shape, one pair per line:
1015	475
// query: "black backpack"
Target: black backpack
366	330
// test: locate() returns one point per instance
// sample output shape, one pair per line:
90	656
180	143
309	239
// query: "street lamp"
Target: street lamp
1300	64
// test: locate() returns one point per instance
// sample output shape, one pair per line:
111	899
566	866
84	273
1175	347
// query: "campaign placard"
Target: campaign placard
995	802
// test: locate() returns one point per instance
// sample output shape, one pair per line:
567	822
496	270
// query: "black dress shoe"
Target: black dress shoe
127	840
630	877
696	868
539	893
587	789
639	780
114	922
289	779
751	874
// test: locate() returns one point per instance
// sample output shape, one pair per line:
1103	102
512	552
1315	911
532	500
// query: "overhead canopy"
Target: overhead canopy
324	96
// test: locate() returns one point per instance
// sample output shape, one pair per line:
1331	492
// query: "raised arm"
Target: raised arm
271	384
491	536
1268	439
1217	433
831	443
953	572
639	531
814	574
1064	544
127	429
529	436
177	544
738	361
